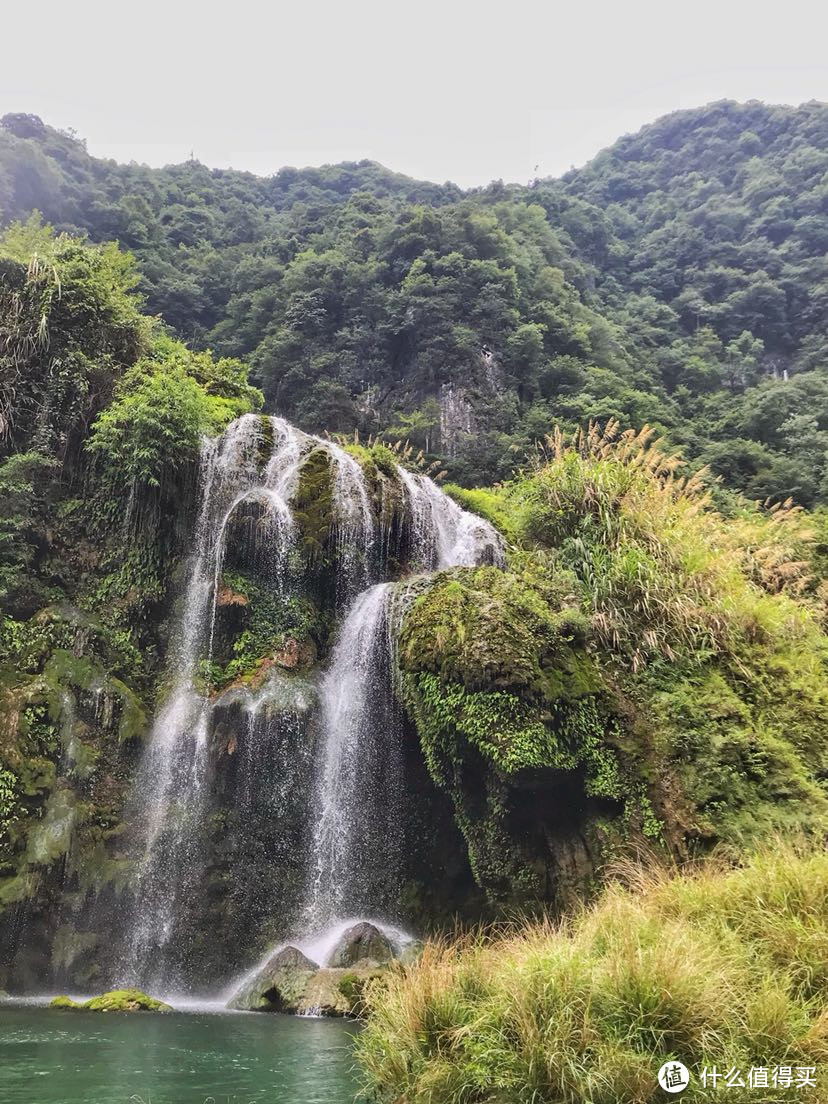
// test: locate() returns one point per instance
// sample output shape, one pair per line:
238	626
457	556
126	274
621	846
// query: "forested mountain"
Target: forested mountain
255	680
580	633
678	279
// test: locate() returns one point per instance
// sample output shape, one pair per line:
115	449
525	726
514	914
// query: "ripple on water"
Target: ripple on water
177	1058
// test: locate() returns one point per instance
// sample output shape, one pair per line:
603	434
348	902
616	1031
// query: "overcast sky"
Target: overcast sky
444	90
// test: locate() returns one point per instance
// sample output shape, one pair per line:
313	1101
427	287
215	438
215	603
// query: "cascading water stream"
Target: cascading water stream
360	786
169	785
354	521
356	838
353	845
442	534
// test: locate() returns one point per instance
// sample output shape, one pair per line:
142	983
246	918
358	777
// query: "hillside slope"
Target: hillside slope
679	279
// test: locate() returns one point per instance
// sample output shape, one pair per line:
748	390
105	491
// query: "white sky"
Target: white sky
440	90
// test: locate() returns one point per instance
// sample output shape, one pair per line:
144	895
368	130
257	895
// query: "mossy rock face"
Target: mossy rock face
518	725
69	730
498	663
337	992
490	629
258	628
313	506
118	1000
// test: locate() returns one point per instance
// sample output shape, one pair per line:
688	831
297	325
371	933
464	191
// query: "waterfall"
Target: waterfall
360	785
168	792
356	837
354	521
442	534
283	752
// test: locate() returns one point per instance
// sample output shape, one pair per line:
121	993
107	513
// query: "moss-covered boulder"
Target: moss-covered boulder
493	629
65	1002
279	986
291	983
338	992
518	723
117	1000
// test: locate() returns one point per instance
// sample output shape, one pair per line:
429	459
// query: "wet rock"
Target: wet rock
336	992
363	944
288	655
279	986
226	596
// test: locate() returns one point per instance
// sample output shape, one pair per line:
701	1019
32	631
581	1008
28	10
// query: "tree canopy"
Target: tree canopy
679	280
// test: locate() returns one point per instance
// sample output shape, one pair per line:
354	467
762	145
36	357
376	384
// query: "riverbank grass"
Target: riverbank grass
724	968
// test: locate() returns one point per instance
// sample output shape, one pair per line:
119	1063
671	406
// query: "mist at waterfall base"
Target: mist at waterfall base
296	792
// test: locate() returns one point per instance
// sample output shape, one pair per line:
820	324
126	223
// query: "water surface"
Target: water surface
53	1057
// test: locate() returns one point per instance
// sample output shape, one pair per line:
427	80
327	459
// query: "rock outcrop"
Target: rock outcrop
279	986
363	944
290	982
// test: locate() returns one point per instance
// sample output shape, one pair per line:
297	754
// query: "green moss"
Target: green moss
18	888
313	506
64	1002
505	694
265	448
126	1000
50	837
118	1000
133	723
266	621
507	730
749	757
488	628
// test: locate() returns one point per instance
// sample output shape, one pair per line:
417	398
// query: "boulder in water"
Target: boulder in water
64	1002
118	1000
363	943
278	986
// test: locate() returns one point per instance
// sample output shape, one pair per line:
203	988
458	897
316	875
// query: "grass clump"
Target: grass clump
724	967
666	575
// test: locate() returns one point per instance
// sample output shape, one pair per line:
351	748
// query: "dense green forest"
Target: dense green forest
679	279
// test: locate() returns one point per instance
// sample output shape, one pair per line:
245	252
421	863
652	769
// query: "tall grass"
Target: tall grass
665	573
717	966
